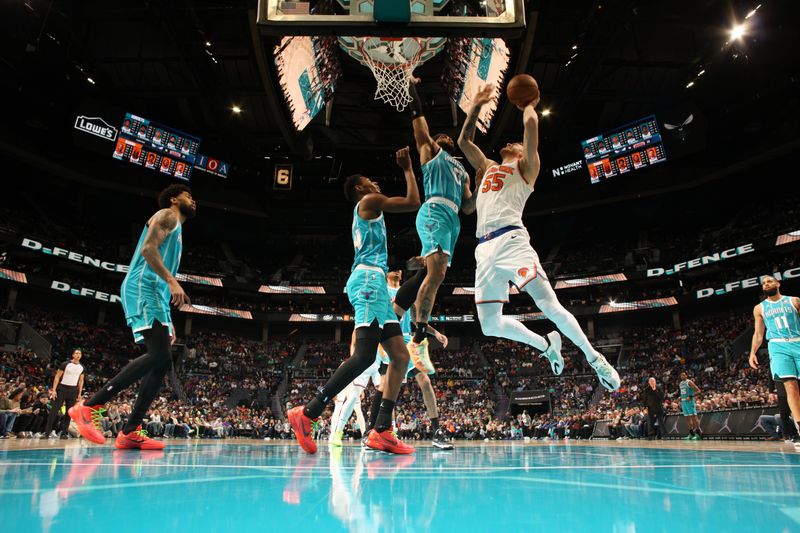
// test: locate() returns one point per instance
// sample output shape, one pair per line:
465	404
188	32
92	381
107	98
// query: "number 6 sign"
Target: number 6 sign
283	178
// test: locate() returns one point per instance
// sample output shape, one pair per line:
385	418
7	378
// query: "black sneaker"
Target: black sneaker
440	440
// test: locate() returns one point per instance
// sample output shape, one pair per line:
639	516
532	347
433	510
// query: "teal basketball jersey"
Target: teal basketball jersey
369	242
781	319
141	283
444	176
687	392
405	321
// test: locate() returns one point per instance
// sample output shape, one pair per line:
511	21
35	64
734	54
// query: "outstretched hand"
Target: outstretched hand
532	104
403	158
484	95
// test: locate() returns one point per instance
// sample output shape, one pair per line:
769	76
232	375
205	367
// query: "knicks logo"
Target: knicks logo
523	272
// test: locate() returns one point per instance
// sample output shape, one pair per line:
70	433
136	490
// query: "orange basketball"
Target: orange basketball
522	89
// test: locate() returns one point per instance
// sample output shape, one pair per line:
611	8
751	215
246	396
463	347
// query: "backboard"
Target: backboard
392	18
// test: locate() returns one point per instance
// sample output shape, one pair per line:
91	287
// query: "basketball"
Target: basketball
522	89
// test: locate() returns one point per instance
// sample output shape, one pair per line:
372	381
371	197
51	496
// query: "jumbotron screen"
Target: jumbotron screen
624	149
149	144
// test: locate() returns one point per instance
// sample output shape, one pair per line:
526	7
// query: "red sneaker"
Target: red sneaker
388	465
88	421
387	442
303	428
137	440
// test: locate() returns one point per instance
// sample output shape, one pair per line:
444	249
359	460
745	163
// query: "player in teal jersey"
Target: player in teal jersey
403	303
375	321
446	185
779	317
688	392
147	291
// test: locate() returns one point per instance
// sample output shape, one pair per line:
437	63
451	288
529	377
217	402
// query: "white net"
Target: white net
392	62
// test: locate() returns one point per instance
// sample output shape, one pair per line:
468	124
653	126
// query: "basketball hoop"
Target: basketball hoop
392	61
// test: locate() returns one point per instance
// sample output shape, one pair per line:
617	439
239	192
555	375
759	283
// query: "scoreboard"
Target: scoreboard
624	149
149	144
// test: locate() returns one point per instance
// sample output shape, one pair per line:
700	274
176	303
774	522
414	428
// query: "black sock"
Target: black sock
367	340
420	332
407	293
691	432
154	364
434	424
384	421
374	409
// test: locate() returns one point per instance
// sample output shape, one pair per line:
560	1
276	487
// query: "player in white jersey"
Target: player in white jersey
504	253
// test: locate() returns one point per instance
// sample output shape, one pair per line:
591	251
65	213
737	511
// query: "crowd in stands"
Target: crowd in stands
227	384
699	347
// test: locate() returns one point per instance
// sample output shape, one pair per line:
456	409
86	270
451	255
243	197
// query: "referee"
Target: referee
67	388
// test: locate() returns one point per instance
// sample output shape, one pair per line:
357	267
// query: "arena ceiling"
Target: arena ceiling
599	64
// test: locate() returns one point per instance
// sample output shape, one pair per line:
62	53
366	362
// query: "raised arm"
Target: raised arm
758	336
377	202
159	227
530	143
466	140
468	196
426	146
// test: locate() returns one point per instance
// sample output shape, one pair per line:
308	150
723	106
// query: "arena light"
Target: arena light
574	46
208	44
90	80
701	73
691	83
236	109
753	12
737	32
546	112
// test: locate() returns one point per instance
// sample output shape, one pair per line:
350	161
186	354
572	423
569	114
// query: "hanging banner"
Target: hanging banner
747	283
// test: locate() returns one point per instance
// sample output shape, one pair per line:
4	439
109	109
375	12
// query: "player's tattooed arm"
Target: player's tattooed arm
158	228
466	140
469	196
426	146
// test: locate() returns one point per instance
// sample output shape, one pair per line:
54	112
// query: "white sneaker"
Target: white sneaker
553	353
609	378
37	435
53	435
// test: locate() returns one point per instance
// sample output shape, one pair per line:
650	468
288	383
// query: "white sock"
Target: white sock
362	424
347	408
337	412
